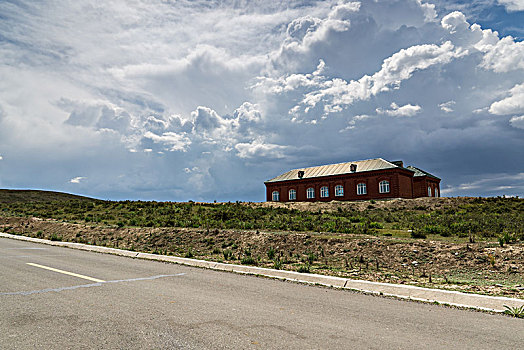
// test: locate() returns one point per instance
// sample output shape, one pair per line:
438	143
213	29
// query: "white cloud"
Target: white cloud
400	111
491	184
1	157
447	107
77	180
517	122
173	141
259	149
510	105
500	55
336	94
512	5
506	55
354	120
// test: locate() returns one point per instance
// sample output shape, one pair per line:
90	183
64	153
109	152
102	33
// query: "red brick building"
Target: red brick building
359	180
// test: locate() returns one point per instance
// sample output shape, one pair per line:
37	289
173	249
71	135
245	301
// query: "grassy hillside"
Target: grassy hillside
25	196
474	218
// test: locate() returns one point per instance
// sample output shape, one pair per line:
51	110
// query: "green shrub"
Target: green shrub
189	254
311	257
248	260
374	224
55	237
271	253
277	264
417	234
517	311
228	254
304	268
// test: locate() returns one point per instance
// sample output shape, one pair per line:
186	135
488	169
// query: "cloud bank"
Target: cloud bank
192	100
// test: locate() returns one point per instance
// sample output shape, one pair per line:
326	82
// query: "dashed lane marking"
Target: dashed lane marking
98	284
66	272
30	256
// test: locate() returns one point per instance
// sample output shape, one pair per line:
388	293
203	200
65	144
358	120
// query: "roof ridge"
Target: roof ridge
351	161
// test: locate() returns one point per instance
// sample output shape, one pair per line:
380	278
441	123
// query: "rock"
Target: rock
498	285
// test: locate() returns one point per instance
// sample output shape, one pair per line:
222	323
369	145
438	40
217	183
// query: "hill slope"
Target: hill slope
14	196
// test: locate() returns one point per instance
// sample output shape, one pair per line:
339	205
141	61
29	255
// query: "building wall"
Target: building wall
400	182
421	184
405	186
435	185
419	187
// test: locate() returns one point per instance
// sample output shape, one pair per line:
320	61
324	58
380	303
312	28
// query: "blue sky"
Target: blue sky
205	100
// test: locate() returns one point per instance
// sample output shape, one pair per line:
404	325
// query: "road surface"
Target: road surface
60	298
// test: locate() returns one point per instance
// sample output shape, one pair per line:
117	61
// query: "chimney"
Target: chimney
398	163
300	174
353	168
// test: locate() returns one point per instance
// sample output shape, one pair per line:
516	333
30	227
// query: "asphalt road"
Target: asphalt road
98	301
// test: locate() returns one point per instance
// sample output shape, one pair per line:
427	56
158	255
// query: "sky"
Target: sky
205	100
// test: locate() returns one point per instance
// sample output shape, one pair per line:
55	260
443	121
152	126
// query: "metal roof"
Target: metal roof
336	169
420	172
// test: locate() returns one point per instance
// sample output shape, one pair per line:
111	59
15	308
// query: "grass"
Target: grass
55	237
491	218
517	311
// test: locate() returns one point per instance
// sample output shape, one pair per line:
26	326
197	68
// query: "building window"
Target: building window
339	190
436	192
275	196
361	188
292	195
324	192
310	193
383	186
429	191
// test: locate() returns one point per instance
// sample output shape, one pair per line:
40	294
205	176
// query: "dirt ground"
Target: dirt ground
482	267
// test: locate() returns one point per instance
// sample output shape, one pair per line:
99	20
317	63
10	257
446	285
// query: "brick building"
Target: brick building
359	180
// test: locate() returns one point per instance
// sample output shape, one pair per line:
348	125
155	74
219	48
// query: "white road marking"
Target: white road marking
66	272
98	284
29	256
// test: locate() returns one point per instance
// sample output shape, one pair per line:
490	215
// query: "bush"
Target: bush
55	237
271	253
248	260
277	264
374	224
418	234
311	258
304	268
228	254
